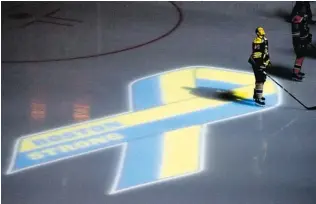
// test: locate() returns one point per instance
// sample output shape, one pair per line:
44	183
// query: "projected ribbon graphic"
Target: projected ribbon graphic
162	136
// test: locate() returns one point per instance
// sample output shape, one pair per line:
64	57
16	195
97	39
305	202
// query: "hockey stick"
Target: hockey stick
308	108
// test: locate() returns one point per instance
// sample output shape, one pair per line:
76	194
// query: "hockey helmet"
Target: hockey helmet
260	32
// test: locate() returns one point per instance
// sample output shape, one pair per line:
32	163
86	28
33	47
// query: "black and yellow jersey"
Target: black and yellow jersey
260	49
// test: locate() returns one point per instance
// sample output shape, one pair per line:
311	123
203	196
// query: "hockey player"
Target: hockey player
259	60
301	39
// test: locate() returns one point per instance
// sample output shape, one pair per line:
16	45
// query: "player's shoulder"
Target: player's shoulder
297	19
257	40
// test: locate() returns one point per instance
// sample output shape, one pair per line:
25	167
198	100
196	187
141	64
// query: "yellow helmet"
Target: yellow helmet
260	32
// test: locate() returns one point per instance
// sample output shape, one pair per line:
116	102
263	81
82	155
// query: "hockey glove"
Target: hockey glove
267	63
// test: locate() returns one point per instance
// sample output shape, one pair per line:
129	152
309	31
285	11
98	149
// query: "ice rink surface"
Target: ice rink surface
65	62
